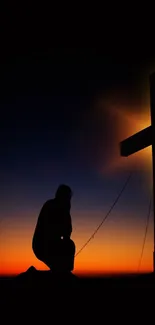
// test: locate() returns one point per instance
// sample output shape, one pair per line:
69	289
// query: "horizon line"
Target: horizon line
86	274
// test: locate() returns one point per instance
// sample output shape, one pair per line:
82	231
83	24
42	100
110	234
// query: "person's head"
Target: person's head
64	193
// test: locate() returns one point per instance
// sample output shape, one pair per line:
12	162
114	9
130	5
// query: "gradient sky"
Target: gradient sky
63	113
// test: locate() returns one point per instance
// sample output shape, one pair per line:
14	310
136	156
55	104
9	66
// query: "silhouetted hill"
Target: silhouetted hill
43	294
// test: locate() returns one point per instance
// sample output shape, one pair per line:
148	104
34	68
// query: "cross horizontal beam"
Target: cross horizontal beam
136	142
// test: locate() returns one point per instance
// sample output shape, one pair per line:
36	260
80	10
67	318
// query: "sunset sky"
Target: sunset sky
64	112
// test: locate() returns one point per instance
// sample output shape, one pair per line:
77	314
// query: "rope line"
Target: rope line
104	219
145	234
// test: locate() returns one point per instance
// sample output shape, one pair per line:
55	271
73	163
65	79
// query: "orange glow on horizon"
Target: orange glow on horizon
111	251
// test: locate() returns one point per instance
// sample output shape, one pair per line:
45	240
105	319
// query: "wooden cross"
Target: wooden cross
142	140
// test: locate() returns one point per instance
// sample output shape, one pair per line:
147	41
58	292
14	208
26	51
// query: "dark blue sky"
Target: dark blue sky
50	129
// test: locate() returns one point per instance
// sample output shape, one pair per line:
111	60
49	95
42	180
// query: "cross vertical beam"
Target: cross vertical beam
152	104
141	140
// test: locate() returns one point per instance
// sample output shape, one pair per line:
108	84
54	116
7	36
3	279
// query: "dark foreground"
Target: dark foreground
41	295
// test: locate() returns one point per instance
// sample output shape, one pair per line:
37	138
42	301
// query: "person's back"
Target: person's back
54	227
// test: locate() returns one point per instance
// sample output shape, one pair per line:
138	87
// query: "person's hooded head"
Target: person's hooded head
64	195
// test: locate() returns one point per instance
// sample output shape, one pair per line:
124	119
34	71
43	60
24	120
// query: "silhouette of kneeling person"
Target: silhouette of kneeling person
51	240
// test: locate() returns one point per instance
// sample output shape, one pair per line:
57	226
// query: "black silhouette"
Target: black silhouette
51	241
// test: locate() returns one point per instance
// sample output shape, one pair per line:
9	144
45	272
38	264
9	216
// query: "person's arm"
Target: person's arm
68	228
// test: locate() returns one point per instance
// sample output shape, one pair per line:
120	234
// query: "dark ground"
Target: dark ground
39	295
